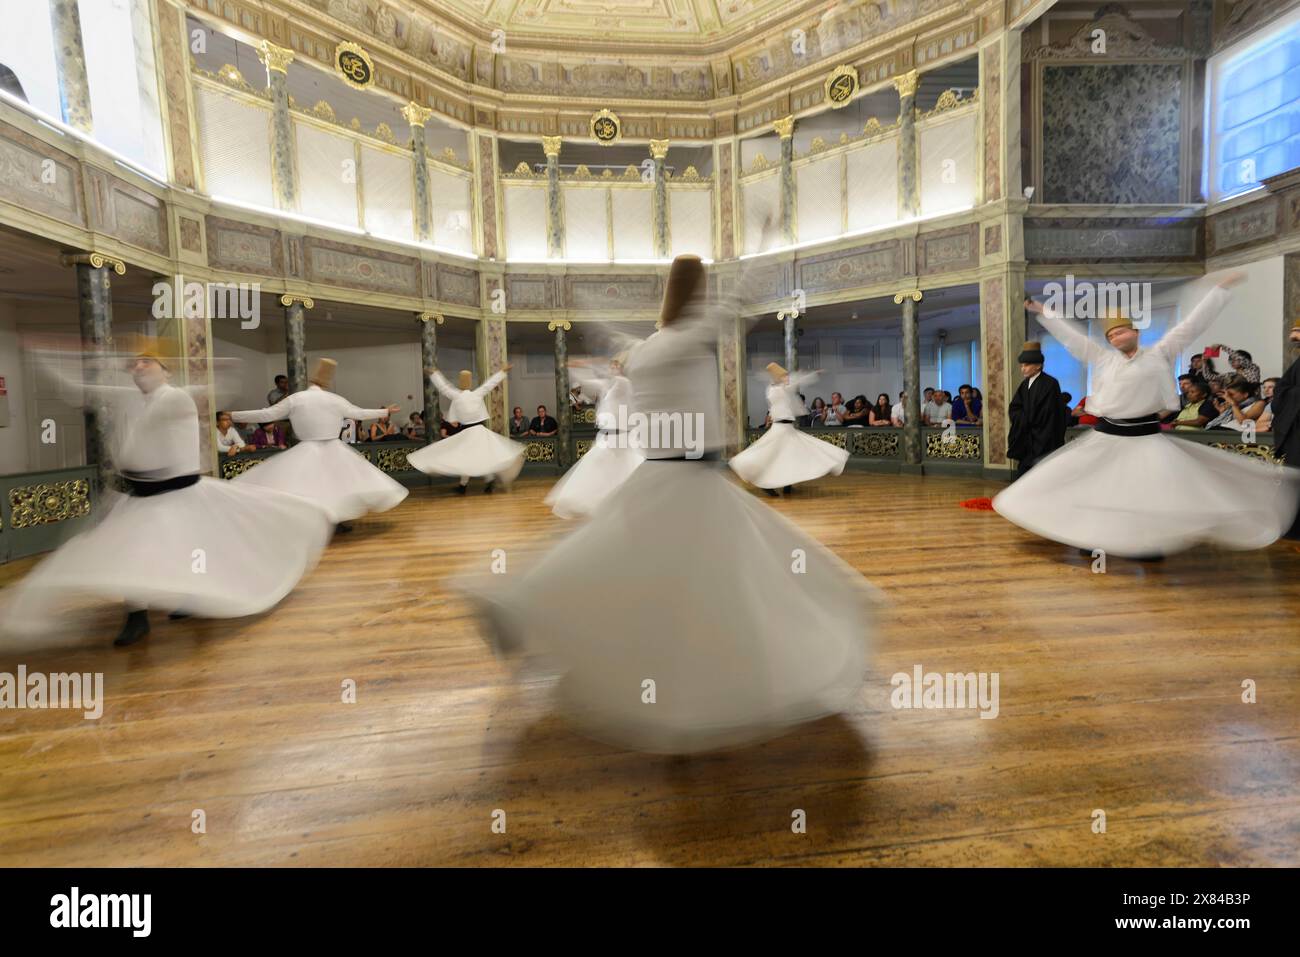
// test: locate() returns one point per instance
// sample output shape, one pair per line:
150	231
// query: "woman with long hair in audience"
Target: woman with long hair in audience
880	413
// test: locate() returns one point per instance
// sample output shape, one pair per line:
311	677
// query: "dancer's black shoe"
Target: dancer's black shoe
788	489
487	489
1086	552
178	615
772	492
343	527
136	627
1148	558
460	489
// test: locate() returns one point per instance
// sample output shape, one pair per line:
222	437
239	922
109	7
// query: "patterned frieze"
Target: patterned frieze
850	268
125	212
1084	239
948	250
340	264
37	177
1243	226
244	247
599	292
454	284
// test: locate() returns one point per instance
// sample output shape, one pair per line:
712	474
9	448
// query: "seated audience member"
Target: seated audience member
966	409
1202	366
1240	361
979	396
576	398
835	411
898	412
518	422
1199	410
882	412
859	414
804	420
543	424
383	430
817	415
937	411
270	435
1081	414
446	430
415	427
229	441
1238	404
280	391
1183	379
1266	392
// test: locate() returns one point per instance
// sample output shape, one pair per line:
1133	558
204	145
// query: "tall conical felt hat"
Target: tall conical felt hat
322	374
1115	319
685	281
161	350
775	371
1032	352
466	379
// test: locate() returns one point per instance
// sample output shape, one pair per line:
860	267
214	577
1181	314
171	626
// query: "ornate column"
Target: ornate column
487	192
911	377
417	116
785	129
563	408
490	345
277	60
190	328
429	322
791	349
554	216
70	64
659	150
295	339
1002	330
999	66
732	363
95	312
177	105
909	184
1290	302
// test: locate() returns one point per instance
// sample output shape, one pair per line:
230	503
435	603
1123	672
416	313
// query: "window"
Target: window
1253	111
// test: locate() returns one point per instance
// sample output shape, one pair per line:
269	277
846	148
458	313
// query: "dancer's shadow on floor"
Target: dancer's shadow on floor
787	800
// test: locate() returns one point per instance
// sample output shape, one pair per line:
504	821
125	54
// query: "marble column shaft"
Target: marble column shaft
660	206
95	312
429	360
791	348
563	407
788	196
909	184
295	345
911	385
70	64
423	213
283	180
554	217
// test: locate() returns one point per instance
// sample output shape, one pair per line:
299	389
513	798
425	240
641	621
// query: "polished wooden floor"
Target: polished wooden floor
1119	692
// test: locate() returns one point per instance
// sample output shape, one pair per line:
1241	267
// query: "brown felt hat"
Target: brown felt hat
1032	352
466	379
685	282
322	373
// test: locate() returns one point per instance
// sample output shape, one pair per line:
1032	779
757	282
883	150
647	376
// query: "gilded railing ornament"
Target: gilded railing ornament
950	100
385	132
48	503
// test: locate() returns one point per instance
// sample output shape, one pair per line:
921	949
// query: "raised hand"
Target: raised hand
1034	307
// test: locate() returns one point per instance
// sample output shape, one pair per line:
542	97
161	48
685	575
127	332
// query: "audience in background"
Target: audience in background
229	441
880	414
270	435
897	413
938	410
518	422
835	411
966	409
415	427
383	430
859	413
1240	361
817	415
1199	410
543	425
280	391
1237	403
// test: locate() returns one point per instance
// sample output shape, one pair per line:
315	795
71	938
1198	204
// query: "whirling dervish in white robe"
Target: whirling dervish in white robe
611	459
321	467
784	456
1130	490
703	619
178	541
475	450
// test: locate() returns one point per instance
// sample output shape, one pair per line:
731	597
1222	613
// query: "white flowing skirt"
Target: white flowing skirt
214	549
1151	495
474	451
604	468
330	474
684	589
786	456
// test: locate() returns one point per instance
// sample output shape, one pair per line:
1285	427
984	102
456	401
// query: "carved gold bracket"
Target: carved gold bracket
95	260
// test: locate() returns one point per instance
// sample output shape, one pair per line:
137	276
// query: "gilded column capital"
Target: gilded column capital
912	294
906	84
554	324
415	114
95	260
288	300
551	145
274	57
658	149
784	127
437	317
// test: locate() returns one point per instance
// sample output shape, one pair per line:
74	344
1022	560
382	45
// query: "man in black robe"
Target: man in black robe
1286	416
1038	412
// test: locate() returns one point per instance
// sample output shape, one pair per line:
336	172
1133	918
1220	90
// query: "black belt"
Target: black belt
1147	425
783	422
714	456
144	489
609	431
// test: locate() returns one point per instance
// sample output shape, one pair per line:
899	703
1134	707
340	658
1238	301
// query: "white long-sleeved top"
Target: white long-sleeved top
783	398
467	405
612	393
315	414
1130	388
154	435
674	372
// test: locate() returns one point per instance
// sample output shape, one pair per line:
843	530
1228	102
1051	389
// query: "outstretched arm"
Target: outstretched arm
491	382
805	378
273	413
442	385
591	383
1207	310
351	411
1076	343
